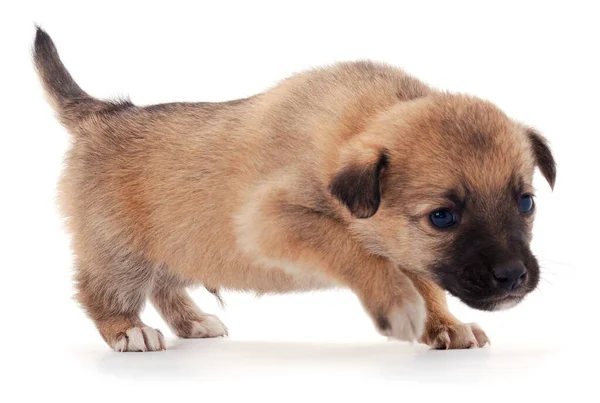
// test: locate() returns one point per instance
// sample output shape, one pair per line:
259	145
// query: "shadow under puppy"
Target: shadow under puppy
355	175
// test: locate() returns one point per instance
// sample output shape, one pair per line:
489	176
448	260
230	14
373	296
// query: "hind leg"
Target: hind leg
113	292
183	316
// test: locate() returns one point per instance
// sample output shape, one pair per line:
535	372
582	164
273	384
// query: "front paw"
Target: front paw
405	321
455	336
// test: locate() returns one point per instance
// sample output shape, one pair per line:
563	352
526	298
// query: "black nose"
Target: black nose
510	276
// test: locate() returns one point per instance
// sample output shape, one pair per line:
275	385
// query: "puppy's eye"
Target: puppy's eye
443	218
526	204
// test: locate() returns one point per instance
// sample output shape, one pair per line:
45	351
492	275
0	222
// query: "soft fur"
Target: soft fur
325	180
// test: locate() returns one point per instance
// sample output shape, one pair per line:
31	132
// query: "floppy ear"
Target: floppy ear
358	185
543	156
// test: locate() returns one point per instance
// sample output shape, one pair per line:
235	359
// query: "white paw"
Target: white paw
140	339
407	321
206	326
456	336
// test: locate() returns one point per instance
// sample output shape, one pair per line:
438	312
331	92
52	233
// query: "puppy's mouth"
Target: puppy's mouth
494	304
482	290
482	297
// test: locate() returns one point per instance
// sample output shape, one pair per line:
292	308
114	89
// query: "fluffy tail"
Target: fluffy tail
69	100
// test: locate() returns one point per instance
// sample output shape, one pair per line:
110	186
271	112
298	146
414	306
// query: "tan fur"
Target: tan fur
180	312
442	329
235	195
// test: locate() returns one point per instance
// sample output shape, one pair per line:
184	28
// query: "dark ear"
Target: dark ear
358	186
543	156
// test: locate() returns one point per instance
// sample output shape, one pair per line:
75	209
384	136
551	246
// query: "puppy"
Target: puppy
356	175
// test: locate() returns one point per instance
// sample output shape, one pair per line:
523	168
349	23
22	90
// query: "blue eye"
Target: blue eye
442	218
526	204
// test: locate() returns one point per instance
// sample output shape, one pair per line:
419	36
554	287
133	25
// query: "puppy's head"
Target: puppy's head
443	186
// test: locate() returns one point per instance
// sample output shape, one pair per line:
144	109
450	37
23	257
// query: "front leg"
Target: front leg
275	233
443	330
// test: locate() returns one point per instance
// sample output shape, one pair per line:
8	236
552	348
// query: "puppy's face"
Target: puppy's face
443	186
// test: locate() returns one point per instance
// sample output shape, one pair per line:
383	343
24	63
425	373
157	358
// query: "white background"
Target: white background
537	61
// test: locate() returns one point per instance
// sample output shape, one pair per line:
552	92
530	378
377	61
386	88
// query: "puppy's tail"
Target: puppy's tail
70	102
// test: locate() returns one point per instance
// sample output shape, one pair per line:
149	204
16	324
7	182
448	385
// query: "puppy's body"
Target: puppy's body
277	193
178	183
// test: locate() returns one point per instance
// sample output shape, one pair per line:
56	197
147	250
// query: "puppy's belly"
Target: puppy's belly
259	275
296	278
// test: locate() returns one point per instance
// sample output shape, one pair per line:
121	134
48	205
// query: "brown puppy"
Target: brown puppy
355	175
